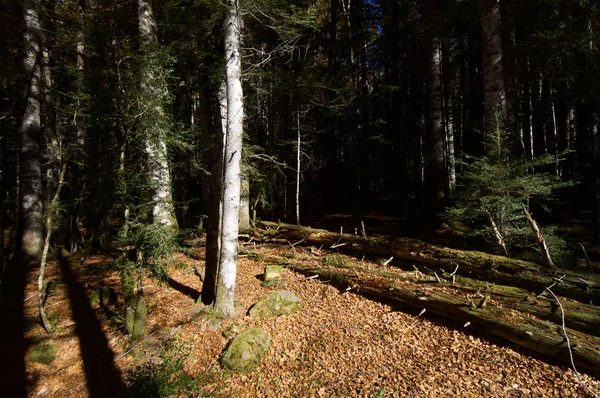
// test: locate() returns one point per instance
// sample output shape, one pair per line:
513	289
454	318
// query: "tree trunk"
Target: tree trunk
510	77
298	153
244	202
154	123
80	51
449	125
436	177
233	153
52	208
215	211
30	229
493	75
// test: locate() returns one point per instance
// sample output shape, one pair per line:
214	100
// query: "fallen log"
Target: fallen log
520	328
578	316
409	252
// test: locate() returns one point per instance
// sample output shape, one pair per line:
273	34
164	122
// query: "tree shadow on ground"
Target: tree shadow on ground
103	378
13	346
183	289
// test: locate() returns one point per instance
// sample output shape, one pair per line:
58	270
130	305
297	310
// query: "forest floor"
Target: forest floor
340	345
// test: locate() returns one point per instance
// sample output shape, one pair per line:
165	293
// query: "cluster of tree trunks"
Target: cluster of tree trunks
439	280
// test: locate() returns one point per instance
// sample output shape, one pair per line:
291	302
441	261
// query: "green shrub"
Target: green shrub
163	377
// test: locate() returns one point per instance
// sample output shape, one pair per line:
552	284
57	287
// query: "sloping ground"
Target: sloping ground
340	344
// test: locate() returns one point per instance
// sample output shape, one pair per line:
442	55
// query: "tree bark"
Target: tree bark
298	153
155	127
510	77
408	253
31	228
215	216
436	176
233	153
493	74
244	202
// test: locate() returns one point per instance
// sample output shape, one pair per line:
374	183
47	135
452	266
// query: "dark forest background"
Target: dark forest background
391	102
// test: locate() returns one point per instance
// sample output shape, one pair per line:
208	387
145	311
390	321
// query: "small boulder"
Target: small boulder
281	302
273	272
246	350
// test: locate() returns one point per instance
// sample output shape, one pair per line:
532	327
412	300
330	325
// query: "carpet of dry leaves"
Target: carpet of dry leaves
340	345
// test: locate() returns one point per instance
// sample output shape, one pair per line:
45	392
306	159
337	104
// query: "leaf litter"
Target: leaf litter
340	345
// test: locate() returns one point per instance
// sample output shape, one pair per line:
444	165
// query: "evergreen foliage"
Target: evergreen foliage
493	189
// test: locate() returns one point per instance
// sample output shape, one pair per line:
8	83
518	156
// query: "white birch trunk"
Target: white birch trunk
224	304
154	89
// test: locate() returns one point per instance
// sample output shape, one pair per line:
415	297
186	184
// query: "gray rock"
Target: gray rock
246	350
281	302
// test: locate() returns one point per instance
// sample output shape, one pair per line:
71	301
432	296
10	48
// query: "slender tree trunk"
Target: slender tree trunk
244	202
31	228
215	216
449	125
155	127
52	207
53	142
436	176
233	153
298	153
493	75
80	51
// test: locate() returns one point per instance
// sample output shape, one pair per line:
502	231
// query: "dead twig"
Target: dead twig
456	269
557	280
587	259
564	329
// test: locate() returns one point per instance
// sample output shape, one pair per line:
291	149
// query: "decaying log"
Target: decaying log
408	253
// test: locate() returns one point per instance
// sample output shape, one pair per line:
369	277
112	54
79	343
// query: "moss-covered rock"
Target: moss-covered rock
336	261
246	350
103	296
281	302
278	282
44	352
273	272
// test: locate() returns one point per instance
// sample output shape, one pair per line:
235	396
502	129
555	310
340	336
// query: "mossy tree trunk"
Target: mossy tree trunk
136	311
